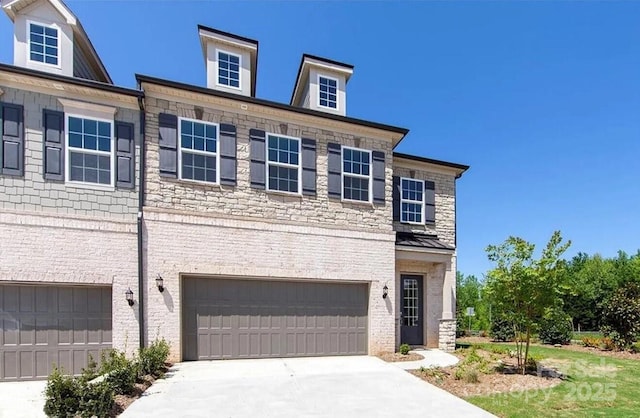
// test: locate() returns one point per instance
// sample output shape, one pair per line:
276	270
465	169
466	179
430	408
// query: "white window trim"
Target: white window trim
369	177
278	164
69	149
28	34
403	200
207	153
337	92
224	51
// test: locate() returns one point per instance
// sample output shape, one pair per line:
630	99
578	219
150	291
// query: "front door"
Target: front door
411	328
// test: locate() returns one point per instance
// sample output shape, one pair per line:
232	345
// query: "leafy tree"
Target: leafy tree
523	288
469	293
621	316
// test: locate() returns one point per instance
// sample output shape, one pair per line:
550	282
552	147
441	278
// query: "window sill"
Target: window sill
91	186
357	202
188	182
285	194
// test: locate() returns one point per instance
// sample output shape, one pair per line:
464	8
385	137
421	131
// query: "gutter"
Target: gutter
140	224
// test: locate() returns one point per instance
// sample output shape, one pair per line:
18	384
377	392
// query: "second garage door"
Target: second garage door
42	325
225	318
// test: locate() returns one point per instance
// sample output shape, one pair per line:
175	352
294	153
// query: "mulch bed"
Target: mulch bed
488	383
394	357
122	402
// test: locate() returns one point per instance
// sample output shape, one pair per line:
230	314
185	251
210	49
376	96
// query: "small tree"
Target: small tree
621	316
523	288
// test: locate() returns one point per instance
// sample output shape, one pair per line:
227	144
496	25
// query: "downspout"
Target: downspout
140	219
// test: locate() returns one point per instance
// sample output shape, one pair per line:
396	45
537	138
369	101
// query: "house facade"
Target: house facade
231	226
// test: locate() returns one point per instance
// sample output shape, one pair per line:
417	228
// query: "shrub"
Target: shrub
593	342
502	330
471	376
120	372
68	396
635	348
607	344
621	316
556	328
153	358
62	395
96	399
532	363
404	349
459	373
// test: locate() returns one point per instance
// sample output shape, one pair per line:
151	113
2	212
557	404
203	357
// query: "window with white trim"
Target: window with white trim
356	174
412	201
228	69
198	151
43	44
283	163
328	92
89	150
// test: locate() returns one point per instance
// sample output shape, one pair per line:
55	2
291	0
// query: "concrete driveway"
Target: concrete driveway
298	387
22	399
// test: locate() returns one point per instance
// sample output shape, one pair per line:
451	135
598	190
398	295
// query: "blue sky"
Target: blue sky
542	99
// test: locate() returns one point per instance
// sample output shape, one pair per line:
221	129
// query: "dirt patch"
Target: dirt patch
394	357
625	355
122	402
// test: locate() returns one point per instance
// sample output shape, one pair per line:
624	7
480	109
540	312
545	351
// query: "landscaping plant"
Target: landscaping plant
152	359
621	316
523	288
404	349
556	328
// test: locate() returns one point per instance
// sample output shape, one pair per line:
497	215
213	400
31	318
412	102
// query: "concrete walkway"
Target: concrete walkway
432	358
359	386
22	399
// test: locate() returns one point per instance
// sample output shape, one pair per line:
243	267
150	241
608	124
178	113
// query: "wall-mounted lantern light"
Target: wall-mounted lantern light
160	283
129	296
385	292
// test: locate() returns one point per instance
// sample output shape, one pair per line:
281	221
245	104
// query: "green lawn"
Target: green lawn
597	386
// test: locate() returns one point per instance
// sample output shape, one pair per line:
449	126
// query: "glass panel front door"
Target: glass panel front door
412	325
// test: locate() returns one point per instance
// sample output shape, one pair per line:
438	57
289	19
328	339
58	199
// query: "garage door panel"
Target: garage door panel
48	325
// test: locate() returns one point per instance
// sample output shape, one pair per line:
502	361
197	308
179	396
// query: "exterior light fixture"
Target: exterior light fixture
129	296
385	292
160	283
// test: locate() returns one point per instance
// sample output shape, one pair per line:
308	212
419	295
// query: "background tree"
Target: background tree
522	288
469	294
621	316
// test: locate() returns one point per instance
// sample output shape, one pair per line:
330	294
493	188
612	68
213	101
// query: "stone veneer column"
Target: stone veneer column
447	328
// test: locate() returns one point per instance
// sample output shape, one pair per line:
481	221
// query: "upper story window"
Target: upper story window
356	174
198	157
412	201
90	151
283	164
328	92
43	44
229	69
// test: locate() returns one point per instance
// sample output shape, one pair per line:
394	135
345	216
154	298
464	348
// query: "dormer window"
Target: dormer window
229	69
43	44
328	92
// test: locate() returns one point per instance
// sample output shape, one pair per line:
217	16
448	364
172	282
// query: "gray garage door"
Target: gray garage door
43	325
262	318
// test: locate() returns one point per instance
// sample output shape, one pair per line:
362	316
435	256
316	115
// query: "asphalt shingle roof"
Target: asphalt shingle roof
410	239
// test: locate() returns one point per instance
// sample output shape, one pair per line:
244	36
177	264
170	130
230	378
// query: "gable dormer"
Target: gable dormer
49	37
231	61
321	85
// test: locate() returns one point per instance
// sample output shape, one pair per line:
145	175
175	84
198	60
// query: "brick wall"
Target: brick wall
188	244
33	193
445	226
74	250
244	201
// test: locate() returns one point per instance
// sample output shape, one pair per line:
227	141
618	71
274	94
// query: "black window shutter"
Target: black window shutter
397	194
228	149
53	125
308	166
257	143
125	155
12	141
429	201
379	179
168	143
334	163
